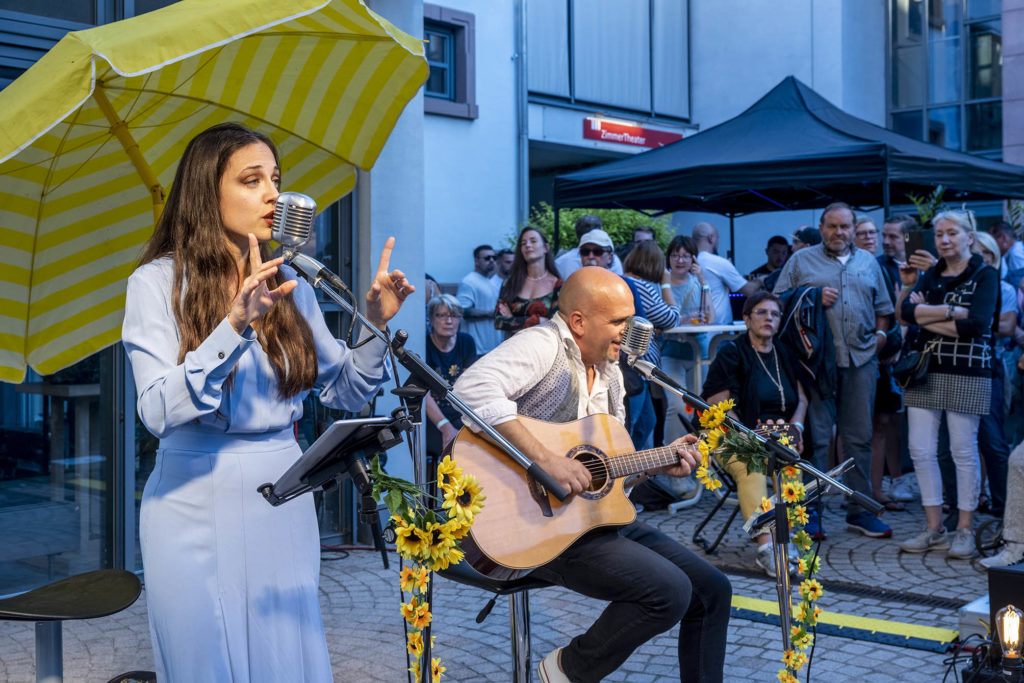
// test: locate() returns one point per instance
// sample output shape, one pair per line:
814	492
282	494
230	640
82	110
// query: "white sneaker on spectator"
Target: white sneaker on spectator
962	544
900	490
1012	553
794	554
765	559
925	541
550	671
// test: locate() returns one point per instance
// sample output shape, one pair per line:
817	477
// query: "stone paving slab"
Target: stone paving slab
364	630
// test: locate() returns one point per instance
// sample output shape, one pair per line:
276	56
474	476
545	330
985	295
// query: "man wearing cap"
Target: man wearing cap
805	236
596	249
571	261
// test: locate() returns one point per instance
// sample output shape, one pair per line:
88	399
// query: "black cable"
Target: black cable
957	649
335	554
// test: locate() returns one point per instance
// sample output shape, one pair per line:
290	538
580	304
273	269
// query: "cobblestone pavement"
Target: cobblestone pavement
364	630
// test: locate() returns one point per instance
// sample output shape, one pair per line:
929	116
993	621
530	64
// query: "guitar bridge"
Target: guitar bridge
540	494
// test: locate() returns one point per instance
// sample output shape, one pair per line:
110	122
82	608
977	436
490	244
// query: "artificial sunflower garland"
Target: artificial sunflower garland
429	540
730	444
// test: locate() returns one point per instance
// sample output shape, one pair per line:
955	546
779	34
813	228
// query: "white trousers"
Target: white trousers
923	442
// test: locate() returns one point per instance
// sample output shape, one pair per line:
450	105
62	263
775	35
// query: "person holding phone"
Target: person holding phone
955	304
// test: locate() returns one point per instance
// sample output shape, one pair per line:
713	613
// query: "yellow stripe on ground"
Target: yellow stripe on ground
942	635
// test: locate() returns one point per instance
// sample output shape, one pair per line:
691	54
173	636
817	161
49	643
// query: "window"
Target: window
451	55
631	57
441	58
946	73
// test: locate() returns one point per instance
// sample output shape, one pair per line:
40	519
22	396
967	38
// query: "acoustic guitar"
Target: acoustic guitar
521	527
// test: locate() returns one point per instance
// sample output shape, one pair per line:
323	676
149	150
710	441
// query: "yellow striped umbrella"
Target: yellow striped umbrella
91	134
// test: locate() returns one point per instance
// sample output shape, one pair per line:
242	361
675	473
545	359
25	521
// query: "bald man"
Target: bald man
720	274
561	371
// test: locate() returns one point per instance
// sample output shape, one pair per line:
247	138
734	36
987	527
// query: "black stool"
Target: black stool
726	494
517	591
85	596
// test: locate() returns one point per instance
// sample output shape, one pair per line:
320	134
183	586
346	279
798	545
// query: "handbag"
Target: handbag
911	369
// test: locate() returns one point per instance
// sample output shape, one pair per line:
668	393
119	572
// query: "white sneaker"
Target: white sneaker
1012	553
765	559
550	671
900	490
794	554
925	541
962	545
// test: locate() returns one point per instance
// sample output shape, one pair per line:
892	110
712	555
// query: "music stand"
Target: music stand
341	451
332	456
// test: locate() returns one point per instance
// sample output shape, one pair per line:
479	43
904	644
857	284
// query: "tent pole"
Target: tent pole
886	199
732	237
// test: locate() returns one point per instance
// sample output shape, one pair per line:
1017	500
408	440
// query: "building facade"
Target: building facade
519	91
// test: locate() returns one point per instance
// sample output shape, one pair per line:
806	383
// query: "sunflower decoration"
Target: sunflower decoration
805	614
427	531
717	439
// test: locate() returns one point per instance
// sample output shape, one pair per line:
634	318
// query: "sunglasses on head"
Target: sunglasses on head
592	251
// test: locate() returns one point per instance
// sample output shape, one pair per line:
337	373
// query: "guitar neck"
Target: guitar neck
626	464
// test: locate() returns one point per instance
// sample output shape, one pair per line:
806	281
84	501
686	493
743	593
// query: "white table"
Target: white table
687	334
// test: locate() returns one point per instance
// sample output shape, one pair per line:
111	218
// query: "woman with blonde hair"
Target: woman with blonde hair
954	303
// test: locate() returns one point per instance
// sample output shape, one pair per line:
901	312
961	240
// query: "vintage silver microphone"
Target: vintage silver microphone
636	338
294	214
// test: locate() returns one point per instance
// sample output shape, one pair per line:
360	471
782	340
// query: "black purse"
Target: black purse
911	370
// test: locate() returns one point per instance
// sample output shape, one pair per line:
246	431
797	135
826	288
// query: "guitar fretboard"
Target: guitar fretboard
625	464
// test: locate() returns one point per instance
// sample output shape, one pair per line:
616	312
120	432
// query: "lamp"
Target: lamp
1010	625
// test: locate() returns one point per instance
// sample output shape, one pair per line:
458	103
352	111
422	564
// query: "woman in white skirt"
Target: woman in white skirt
224	345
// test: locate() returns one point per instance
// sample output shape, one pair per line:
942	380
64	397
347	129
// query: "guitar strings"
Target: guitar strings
653	456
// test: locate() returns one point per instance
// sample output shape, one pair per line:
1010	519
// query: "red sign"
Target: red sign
626	133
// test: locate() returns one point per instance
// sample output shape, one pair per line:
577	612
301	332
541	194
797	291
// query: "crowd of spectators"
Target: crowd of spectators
835	389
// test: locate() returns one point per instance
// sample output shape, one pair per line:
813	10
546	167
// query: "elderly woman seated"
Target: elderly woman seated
760	376
449	352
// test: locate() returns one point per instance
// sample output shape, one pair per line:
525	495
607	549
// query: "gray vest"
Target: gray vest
556	398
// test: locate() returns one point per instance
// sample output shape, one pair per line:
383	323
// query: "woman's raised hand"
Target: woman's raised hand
388	291
255	298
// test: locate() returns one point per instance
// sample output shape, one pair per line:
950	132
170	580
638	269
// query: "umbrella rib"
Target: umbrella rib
240	112
162	95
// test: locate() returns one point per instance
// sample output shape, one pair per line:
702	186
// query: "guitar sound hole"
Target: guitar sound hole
594	461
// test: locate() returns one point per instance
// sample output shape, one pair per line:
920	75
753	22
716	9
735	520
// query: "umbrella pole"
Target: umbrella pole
120	130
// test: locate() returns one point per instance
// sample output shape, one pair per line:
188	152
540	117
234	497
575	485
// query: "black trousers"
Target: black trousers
652	583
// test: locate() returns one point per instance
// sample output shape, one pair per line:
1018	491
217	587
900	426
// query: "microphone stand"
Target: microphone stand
778	457
320	277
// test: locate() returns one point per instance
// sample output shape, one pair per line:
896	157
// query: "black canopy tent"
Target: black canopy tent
792	149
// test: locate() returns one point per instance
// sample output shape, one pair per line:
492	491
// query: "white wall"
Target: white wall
470	165
396	197
740	49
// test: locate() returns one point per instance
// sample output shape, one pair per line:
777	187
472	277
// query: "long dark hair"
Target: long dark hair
191	233
517	278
